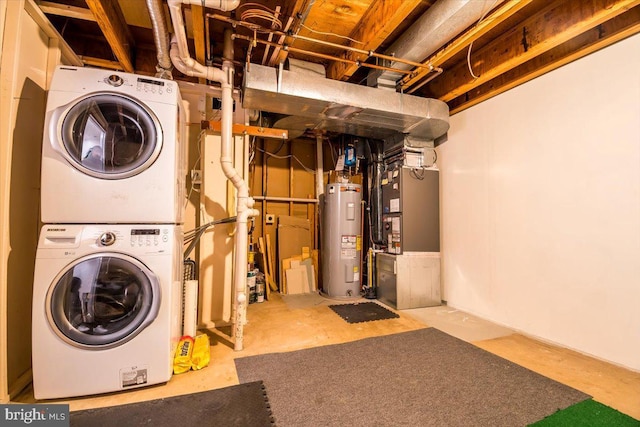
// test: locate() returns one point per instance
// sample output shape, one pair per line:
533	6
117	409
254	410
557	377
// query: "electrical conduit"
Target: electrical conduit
187	65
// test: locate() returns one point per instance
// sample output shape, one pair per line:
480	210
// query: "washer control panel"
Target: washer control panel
149	237
152	86
145	87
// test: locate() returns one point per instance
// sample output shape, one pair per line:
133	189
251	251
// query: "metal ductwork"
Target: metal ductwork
316	103
161	38
440	24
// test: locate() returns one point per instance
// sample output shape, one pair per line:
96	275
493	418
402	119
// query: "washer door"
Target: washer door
110	136
103	300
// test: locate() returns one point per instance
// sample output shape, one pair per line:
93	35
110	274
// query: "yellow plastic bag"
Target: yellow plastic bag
182	358
201	352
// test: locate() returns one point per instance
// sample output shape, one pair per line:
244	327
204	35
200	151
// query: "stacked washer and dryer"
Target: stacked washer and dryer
107	291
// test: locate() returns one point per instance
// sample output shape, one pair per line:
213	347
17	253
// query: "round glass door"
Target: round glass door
111	136
103	300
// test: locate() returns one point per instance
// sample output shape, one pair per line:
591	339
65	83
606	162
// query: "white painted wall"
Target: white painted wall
541	207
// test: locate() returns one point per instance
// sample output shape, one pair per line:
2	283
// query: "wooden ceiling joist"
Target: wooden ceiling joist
197	18
382	17
66	11
605	34
102	63
556	24
111	21
298	9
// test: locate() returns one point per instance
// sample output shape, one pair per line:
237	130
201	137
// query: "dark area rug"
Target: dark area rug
417	378
244	405
362	312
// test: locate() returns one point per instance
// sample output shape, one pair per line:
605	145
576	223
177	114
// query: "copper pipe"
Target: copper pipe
258	28
437	71
324	56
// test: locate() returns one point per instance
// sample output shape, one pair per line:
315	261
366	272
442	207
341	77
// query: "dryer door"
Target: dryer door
102	300
109	136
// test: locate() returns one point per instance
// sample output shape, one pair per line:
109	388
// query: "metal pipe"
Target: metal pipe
261	29
329	57
161	39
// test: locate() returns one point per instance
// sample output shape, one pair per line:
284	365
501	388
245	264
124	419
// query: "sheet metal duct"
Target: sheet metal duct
440	24
335	106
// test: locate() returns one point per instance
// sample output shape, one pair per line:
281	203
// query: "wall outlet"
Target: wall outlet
269	219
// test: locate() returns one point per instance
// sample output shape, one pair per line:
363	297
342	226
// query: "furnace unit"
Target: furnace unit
411	209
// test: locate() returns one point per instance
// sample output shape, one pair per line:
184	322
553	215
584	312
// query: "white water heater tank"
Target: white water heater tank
342	241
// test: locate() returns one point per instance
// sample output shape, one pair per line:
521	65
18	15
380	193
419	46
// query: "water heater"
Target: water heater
342	241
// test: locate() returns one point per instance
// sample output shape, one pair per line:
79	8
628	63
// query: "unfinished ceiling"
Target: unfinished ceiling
509	43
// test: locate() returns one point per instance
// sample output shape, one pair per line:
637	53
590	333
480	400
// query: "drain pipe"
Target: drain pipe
187	65
245	203
161	38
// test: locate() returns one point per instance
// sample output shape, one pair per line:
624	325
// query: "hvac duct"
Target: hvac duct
161	39
323	104
438	25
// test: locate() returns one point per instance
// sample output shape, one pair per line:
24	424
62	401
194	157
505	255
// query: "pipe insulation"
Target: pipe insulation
187	65
161	39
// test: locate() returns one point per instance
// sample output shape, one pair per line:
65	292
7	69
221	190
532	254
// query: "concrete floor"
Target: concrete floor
287	323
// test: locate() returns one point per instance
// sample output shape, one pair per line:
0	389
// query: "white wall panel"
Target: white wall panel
541	206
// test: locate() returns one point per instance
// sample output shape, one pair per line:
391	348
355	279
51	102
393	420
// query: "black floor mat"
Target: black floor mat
362	312
244	405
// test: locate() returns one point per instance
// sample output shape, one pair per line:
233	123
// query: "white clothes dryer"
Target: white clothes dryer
113	149
107	308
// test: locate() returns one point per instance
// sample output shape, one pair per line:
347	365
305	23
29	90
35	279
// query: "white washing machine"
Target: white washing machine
113	149
107	308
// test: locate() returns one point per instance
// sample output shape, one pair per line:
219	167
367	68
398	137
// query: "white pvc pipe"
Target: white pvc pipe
285	199
183	62
319	166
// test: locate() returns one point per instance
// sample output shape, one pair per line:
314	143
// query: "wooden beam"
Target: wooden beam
610	32
111	21
197	19
382	17
239	129
66	11
68	55
102	63
299	7
557	23
502	13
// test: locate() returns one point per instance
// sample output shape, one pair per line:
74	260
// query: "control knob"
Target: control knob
115	80
107	239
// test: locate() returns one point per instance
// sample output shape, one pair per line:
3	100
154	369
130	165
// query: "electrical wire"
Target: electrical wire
192	237
413	172
330	34
471	44
288	156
